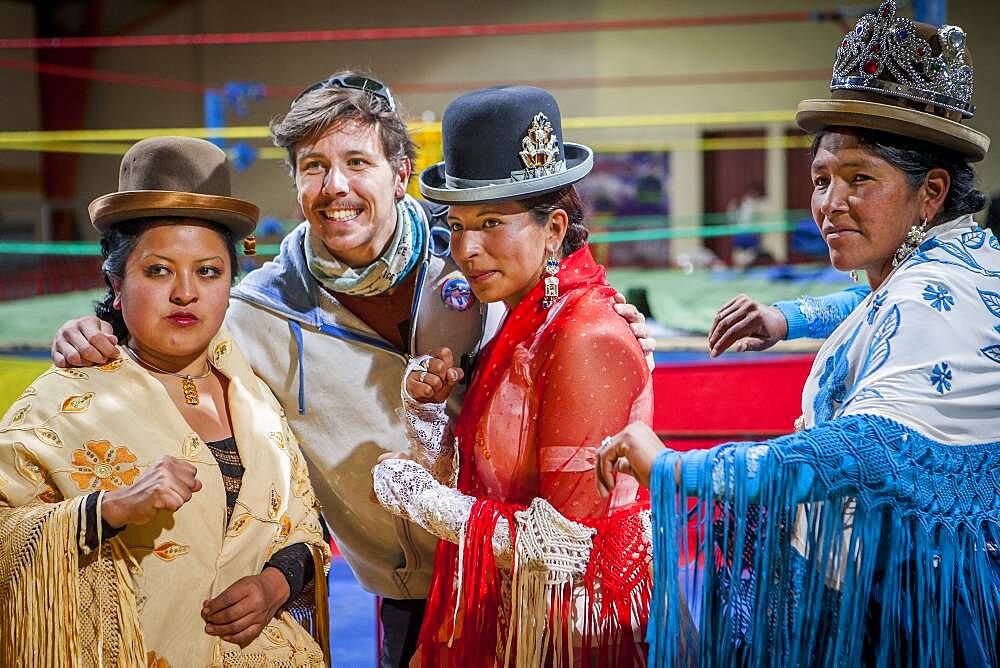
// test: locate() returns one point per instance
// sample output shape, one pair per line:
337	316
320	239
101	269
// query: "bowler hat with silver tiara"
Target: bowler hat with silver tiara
905	78
174	177
503	143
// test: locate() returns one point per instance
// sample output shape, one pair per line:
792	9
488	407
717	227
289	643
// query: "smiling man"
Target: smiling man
358	287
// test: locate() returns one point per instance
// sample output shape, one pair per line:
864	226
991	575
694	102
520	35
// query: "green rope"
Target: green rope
687	232
650	228
695	219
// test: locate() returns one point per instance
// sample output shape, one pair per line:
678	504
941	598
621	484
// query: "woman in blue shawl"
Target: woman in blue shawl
869	536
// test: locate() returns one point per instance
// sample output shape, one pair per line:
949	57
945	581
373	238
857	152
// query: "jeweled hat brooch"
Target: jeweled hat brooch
503	143
911	79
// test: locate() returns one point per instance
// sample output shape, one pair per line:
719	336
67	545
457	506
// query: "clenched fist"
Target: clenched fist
166	485
84	342
437	376
632	450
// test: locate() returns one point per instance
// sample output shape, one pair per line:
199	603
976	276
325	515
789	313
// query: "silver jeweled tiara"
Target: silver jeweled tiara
883	43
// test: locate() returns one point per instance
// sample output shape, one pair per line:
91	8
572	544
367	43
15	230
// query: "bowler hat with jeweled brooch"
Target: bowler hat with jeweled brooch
905	78
503	143
174	177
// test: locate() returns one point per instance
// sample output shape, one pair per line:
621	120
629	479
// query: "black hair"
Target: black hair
567	199
117	245
915	159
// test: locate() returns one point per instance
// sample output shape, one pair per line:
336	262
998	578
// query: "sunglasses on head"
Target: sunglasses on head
373	86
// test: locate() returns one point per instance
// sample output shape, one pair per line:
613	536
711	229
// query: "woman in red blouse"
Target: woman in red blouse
536	566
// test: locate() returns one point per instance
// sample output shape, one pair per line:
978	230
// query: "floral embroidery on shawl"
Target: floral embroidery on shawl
111	366
100	465
938	296
222	348
171	550
941	377
77	403
17	418
153	660
48	437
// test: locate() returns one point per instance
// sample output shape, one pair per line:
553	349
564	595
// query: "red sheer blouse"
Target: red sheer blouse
552	384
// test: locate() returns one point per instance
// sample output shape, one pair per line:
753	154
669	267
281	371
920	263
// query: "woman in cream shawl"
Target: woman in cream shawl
133	530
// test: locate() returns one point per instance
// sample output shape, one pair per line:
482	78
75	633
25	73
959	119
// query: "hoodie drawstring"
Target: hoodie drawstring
297	333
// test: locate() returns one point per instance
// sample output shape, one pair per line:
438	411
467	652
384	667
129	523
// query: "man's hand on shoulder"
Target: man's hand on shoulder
86	341
637	323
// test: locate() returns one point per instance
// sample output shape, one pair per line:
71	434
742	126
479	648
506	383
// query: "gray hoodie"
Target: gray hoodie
338	382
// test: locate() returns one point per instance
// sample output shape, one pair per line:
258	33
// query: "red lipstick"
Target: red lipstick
183	318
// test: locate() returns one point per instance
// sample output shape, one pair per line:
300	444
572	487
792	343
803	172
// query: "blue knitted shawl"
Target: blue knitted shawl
871	537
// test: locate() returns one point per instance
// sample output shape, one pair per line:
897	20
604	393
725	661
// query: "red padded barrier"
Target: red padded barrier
699	404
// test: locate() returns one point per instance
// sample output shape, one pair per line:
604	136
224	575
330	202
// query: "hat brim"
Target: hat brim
434	187
237	215
814	115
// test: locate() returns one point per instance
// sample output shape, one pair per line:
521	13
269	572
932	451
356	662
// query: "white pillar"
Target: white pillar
776	184
686	187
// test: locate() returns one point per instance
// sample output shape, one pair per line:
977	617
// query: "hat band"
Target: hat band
906	92
519	176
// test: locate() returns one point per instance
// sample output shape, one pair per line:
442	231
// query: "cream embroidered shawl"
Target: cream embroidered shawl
137	601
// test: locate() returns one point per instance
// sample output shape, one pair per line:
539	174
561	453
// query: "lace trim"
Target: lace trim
724	467
548	541
408	490
428	428
822	316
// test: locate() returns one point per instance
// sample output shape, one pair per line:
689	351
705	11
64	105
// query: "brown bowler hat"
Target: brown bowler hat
905	78
178	177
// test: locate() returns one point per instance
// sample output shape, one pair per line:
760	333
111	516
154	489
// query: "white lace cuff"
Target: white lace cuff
428	431
407	489
546	541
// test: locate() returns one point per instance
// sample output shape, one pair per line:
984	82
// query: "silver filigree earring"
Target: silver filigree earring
914	237
551	282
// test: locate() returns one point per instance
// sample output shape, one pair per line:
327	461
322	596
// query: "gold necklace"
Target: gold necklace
188	387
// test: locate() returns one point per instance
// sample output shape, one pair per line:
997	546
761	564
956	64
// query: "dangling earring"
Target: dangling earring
551	282
854	275
914	237
250	245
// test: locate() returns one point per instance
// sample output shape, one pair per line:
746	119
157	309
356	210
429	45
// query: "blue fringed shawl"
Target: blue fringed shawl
917	571
870	538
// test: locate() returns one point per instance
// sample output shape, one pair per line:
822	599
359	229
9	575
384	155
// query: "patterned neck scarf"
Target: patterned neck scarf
384	273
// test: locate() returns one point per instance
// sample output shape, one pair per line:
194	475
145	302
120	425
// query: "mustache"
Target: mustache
338	204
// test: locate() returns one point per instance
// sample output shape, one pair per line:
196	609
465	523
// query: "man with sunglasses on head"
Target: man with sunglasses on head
362	285
330	323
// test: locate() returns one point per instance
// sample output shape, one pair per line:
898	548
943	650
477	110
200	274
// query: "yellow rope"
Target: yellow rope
261	131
